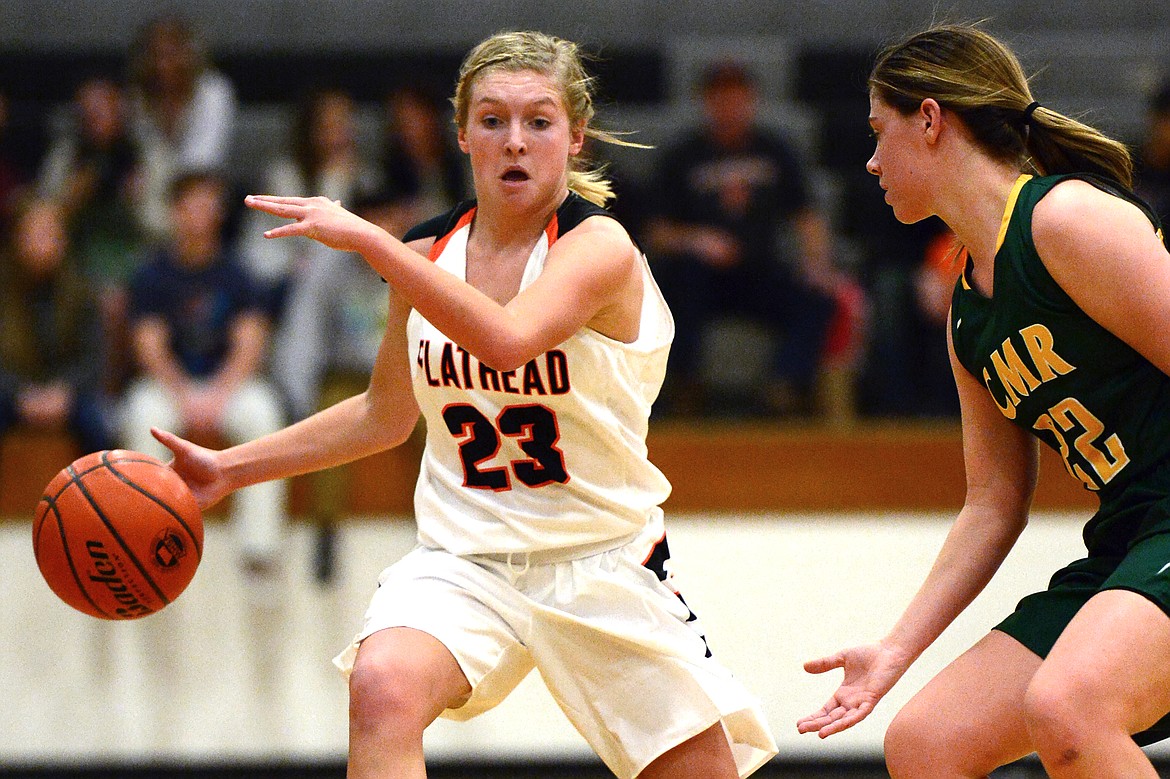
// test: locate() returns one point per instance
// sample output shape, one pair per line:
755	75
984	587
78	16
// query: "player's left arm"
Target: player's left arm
592	278
1103	251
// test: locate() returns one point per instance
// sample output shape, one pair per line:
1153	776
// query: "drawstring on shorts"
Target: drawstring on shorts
512	568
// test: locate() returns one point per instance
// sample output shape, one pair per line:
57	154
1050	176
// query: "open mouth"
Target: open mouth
515	175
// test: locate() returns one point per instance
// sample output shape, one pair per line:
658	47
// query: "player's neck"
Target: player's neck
974	207
499	227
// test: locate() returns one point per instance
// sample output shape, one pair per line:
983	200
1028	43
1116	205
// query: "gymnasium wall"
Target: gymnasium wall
222	678
1086	55
347	24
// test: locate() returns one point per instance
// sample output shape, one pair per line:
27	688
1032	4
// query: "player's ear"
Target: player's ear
930	119
461	136
576	139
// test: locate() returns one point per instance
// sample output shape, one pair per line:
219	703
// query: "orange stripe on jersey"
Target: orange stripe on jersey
654	547
438	246
552	230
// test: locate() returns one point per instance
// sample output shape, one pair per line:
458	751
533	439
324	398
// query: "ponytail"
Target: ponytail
969	72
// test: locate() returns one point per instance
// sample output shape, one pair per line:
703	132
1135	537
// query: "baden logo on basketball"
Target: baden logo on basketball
169	548
105	573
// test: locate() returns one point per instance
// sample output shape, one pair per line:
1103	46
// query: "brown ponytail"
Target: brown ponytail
974	75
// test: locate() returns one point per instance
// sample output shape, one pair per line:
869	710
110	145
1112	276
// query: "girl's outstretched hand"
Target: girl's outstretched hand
318	218
870	671
197	466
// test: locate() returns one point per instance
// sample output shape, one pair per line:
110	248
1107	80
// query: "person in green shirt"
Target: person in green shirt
1057	334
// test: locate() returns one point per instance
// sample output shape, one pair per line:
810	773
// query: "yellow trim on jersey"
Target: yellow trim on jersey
1014	195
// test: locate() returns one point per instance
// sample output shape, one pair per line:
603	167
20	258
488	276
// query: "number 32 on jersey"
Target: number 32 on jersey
1105	457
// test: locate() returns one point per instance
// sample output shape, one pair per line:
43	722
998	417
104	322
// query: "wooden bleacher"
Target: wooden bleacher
712	466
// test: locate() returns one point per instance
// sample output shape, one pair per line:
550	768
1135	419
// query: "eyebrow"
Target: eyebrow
540	101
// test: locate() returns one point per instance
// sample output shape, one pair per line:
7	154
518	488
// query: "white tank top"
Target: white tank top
550	457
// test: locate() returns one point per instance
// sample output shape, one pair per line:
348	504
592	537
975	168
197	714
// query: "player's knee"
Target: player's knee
1058	712
906	743
383	697
919	743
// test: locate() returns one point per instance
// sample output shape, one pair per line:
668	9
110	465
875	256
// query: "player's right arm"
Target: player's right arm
1001	467
382	417
1001	464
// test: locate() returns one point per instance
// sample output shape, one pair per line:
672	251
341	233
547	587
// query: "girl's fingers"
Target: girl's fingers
847	720
293	228
166	438
284	210
275	199
823	664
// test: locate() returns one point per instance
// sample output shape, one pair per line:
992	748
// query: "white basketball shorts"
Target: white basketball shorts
611	641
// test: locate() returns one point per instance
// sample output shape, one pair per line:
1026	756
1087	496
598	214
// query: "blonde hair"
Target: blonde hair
561	61
976	76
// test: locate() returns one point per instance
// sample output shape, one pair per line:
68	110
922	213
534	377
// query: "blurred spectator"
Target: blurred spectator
93	169
323	158
50	338
183	112
934	393
200	337
906	371
422	167
1152	179
727	193
21	147
11	176
325	348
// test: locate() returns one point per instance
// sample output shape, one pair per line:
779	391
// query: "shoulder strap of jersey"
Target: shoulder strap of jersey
437	227
572	212
1115	188
576	210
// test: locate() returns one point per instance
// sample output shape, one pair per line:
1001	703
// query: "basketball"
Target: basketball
117	534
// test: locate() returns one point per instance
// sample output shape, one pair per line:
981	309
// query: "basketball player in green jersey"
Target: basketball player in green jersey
1058	333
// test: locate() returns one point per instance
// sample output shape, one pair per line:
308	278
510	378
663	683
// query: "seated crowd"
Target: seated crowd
136	291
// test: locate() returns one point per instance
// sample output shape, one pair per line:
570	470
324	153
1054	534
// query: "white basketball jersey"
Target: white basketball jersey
551	456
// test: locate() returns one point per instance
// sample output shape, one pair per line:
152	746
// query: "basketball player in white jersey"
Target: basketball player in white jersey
528	330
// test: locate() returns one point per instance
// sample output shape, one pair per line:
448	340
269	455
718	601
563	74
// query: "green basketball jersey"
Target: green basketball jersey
1054	371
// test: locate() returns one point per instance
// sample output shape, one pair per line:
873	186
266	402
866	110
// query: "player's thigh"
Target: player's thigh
451	602
972	712
1113	661
707	755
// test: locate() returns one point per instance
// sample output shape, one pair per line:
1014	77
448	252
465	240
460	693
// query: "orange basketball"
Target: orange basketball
117	534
